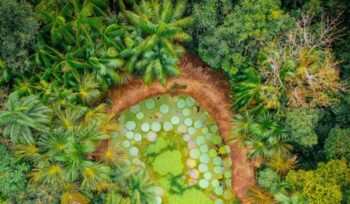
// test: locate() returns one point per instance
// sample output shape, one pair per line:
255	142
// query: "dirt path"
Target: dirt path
211	90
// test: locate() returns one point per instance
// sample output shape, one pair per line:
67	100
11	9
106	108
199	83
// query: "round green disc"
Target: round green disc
130	125
135	108
129	135
205	130
217	161
186	112
145	127
197	124
194	173
214	128
204	158
126	143
151	136
212	153
222	150
200	140
180	103
150	104
140	115
215	183
207	175
156	126
191	130
219	191
217	139
203	168
219	201
133	151
203	183
188	122
175	120
164	108
195	153
182	129
204	148
137	137
190	101
218	169
228	162
227	148
209	137
167	126
186	137
227	174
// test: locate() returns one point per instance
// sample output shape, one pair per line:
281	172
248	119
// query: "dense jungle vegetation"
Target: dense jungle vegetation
288	62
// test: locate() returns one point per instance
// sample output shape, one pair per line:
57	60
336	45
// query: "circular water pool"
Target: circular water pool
179	146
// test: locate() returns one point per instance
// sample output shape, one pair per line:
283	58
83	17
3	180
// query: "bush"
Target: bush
18	30
269	180
300	125
323	185
259	23
74	197
12	174
337	144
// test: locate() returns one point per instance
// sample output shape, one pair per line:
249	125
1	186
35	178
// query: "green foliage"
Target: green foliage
22	116
263	134
12	174
18	31
300	124
269	180
155	50
61	157
292	199
169	162
36	194
157	147
192	196
133	187
337	144
74	197
259	23
76	41
324	184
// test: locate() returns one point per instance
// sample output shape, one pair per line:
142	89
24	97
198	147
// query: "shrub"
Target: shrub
74	197
323	185
37	194
12	174
169	162
269	180
18	30
337	144
300	124
259	23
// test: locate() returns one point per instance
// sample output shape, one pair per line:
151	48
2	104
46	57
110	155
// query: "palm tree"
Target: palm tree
259	196
22	117
63	156
155	51
87	90
263	134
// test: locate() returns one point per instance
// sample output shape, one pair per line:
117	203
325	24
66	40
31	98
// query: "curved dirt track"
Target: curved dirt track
211	90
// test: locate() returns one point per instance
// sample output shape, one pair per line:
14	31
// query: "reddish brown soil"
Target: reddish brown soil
209	88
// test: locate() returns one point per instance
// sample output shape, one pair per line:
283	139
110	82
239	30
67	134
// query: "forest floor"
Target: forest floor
211	90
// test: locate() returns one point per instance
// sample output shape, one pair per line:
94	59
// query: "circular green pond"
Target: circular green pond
175	141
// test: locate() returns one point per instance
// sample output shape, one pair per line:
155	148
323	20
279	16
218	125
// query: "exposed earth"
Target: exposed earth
212	91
